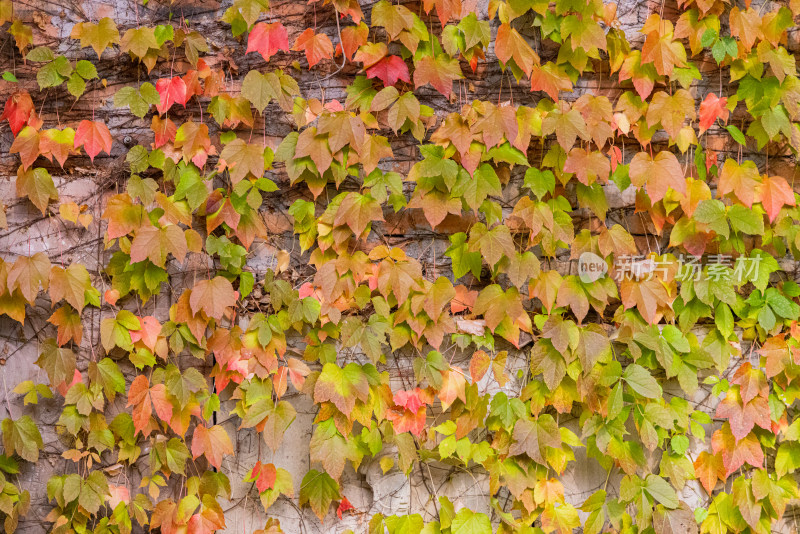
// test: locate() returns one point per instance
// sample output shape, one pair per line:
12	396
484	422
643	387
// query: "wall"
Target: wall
88	183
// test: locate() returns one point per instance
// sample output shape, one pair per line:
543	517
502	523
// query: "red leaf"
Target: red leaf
344	506
742	416
736	453
411	400
267	39
264	475
94	137
149	332
19	111
164	130
711	109
389	70
172	91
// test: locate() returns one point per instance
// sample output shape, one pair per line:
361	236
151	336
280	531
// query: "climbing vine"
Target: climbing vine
546	326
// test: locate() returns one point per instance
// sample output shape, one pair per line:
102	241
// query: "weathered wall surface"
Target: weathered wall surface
369	489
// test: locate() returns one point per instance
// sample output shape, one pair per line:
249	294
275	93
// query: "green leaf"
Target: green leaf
712	213
38	186
748	221
737	134
641	381
8	465
464	261
531	436
106	373
257	89
22	437
177	454
40	54
93	492
138	100
115	331
76	86
318	490
469	522
474	189
86	69
342	386
57	362
430	368
661	491
246	283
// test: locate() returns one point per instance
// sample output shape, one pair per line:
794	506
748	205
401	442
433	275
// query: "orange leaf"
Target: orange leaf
192	138
736	453
148	333
214	442
439	72
741	180
26	144
741	415
317	46
139	398
711	109
94	137
267	39
709	468
164	130
648	296
464	299
588	166
478	365
453	387
509	44
550	79
659	174
69	325
774	193
213	297
352	38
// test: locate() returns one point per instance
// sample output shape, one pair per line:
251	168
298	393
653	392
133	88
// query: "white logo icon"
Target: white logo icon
591	267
